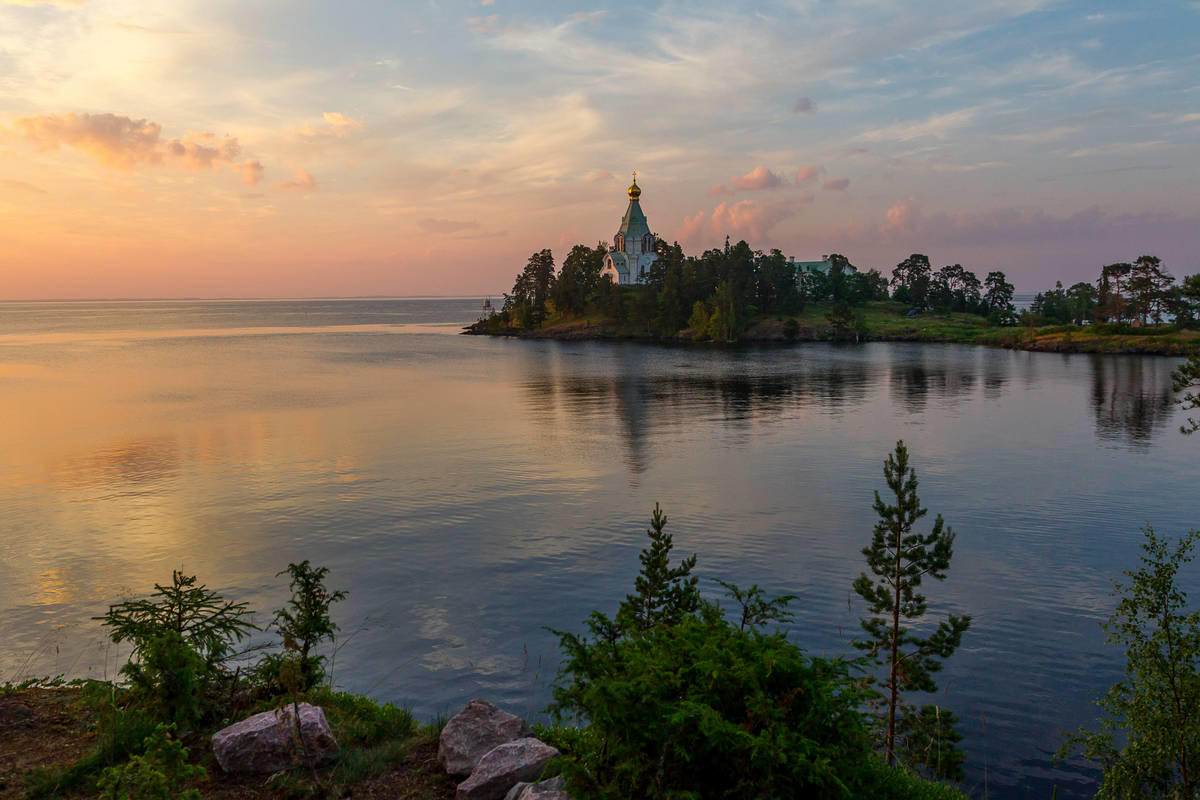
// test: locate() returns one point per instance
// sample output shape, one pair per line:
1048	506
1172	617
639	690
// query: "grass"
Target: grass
385	751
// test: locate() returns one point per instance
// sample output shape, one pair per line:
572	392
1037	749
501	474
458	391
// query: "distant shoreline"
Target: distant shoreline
885	322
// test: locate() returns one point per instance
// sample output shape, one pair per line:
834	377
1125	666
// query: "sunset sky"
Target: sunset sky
284	149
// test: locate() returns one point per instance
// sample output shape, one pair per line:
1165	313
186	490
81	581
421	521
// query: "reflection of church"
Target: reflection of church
633	247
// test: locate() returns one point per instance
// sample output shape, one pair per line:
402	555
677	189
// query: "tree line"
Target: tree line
1140	292
718	293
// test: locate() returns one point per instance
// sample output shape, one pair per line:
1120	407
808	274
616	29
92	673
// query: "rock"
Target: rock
504	767
266	742
474	731
544	790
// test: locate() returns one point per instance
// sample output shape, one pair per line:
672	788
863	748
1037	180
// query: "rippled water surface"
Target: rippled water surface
470	492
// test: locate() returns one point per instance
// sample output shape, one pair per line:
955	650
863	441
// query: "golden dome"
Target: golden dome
635	191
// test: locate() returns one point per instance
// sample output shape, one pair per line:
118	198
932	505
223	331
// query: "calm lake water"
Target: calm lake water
471	492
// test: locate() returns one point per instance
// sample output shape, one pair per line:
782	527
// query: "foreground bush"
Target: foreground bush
678	702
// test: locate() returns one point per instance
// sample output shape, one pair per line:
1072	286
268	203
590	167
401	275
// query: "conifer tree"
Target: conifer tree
899	560
663	594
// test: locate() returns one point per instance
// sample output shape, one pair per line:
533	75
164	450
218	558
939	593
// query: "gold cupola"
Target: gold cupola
635	191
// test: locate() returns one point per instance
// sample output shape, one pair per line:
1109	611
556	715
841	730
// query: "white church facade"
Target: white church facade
632	253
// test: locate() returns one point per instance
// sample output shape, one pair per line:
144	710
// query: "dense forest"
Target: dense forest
718	294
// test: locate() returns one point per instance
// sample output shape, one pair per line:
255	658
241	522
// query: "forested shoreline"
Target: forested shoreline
737	294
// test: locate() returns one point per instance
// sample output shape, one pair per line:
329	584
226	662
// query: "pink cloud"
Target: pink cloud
199	151
112	140
757	178
836	184
303	182
718	189
745	219
121	142
807	174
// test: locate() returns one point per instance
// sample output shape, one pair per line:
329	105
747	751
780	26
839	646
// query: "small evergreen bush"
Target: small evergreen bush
181	637
678	702
160	773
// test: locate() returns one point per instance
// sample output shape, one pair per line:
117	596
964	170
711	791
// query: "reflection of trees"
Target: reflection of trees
643	390
944	375
1131	397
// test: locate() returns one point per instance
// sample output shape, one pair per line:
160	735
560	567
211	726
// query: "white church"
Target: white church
632	253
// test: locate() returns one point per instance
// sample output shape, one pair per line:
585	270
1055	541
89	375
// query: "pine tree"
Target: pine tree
899	560
663	594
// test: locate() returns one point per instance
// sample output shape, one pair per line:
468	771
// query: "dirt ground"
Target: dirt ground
49	728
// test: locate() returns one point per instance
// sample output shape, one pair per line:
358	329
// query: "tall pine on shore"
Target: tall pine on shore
899	560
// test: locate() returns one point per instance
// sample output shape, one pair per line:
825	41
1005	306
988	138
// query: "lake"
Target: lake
471	492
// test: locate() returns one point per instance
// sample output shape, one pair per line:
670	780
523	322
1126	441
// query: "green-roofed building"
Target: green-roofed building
632	253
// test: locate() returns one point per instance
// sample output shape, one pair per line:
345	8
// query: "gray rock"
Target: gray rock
504	767
474	731
543	790
266	742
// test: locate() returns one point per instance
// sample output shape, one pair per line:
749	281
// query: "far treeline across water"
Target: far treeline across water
740	294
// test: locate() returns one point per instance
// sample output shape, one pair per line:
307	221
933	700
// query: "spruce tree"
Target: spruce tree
899	560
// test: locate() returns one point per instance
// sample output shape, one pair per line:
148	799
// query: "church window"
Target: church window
619	242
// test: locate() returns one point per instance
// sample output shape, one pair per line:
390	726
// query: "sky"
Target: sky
407	147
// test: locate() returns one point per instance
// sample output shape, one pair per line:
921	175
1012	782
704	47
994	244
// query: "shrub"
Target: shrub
681	703
158	774
703	709
181	637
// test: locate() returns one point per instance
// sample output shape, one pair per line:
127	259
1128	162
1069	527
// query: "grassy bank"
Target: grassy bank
887	321
55	742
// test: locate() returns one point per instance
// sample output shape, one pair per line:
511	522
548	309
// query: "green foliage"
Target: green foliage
663	594
926	741
158	774
359	720
526	305
305	622
1148	742
121	732
703	709
900	559
679	702
1186	379
180	637
757	608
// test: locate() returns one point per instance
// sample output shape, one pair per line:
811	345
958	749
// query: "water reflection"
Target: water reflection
1131	398
472	491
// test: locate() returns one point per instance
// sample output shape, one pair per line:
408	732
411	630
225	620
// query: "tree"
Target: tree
663	594
526	304
305	622
900	559
578	278
910	280
998	298
844	321
1080	302
1110	297
1183	379
1148	283
181	636
1148	743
